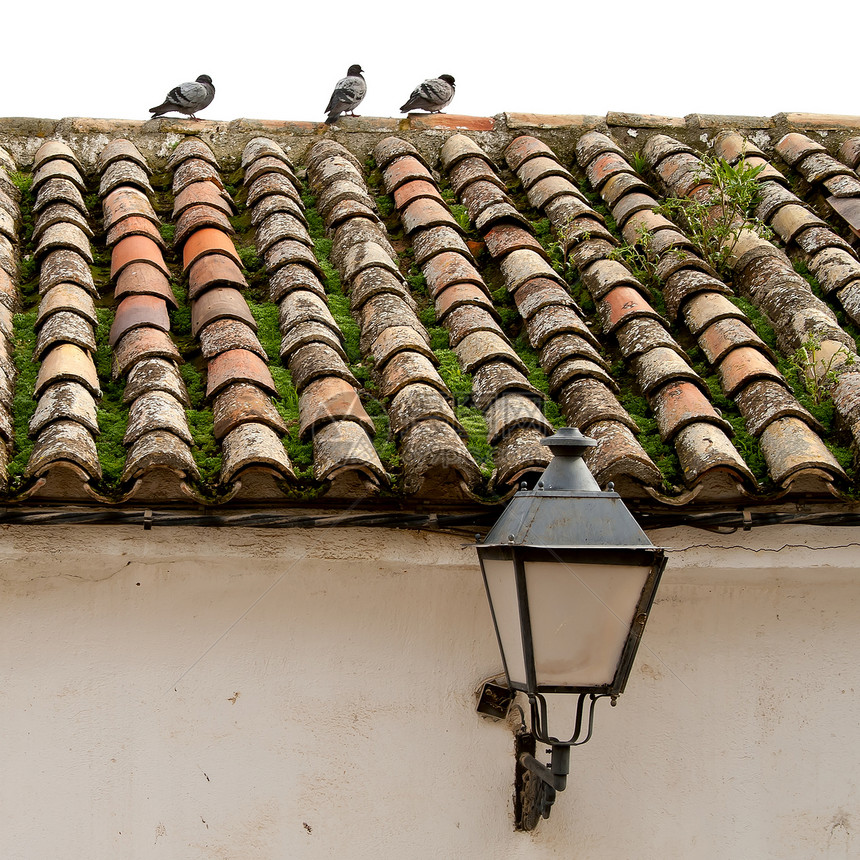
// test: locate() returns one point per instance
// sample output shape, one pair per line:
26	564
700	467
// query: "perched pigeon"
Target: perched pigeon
187	98
347	94
433	95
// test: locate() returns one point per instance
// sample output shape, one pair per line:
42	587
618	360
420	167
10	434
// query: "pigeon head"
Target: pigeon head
204	79
355	70
447	78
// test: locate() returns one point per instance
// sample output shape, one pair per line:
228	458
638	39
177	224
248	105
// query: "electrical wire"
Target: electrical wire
726	521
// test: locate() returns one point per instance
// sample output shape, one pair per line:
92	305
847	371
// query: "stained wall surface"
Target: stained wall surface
210	693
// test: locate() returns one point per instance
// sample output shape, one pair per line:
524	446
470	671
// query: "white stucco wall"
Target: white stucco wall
258	694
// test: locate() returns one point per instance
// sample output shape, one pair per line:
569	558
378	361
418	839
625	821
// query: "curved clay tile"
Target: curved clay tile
65	401
124	172
121	149
143	279
270	164
196	217
135	225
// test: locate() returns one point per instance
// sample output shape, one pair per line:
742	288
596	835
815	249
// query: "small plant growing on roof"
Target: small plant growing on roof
818	367
639	162
715	225
639	257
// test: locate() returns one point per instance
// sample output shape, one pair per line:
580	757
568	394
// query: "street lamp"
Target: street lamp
570	577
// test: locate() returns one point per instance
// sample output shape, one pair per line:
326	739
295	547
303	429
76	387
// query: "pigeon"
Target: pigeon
432	95
187	98
347	94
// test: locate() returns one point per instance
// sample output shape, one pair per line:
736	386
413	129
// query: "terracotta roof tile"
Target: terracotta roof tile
339	191
330	399
137	310
437	240
57	170
154	374
242	403
423	213
120	149
706	308
143	279
552	187
680	404
304	333
64	441
136	249
620	185
794	146
208	240
158	449
395	339
538	293
567	349
590	145
402	171
405	368
641	334
65	401
135	225
140	343
223	335
604	166
355	230
719	338
287	251
315	359
202	193
465	319
766	400
59	191
619	458
238	365
849	152
703	447
67	297
272	184
156	410
52	150
419	402
473	169
67	362
429	450
343	447
270	164
195	217
789	446
55	213
620	305
520	454
64	235
390	148
251	445
195	170
124	203
458	295
586	401
123	172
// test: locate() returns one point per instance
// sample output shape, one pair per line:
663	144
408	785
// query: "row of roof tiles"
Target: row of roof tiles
243	398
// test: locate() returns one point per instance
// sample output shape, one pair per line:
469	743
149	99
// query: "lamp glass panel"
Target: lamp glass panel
580	618
502	586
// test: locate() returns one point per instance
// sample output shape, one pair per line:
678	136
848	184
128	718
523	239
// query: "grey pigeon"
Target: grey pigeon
347	94
187	98
432	95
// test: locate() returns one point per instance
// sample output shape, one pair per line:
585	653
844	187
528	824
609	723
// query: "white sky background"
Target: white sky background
281	60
